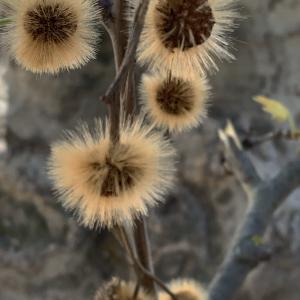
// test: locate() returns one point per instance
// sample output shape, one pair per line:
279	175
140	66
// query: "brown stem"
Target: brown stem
120	34
136	290
143	271
129	58
125	68
119	42
130	105
119	235
143	250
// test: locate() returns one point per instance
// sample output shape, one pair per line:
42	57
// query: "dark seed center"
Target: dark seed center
119	177
50	23
184	24
175	96
117	181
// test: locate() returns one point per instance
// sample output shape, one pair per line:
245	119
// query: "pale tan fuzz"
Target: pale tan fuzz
46	36
118	289
185	289
110	185
200	35
174	104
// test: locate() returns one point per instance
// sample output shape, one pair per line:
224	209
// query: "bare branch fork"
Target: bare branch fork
140	269
248	249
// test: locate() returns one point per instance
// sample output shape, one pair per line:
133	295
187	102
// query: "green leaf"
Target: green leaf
257	240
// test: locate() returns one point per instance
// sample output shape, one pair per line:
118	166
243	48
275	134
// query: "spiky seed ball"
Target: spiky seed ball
46	36
184	36
185	289
112	184
174	103
118	289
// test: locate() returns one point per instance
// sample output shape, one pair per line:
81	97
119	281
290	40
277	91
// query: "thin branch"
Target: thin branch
130	94
129	57
143	250
248	249
125	67
124	61
114	23
120	33
127	244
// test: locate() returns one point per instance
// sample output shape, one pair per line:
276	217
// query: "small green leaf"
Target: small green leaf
257	240
277	110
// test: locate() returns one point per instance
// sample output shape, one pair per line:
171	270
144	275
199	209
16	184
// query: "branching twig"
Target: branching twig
129	57
124	63
248	250
136	262
125	67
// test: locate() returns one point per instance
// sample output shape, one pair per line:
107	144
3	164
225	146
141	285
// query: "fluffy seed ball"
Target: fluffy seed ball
109	185
174	103
185	289
46	36
183	36
119	290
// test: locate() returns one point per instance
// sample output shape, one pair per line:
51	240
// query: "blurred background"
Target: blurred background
44	254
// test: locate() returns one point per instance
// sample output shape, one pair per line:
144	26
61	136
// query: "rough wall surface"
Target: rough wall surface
44	254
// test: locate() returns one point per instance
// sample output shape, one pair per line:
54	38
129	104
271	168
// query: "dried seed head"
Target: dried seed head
112	184
185	289
174	103
47	36
117	289
175	96
184	36
184	24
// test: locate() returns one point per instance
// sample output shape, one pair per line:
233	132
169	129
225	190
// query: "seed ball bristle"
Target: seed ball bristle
173	103
47	36
184	24
111	184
